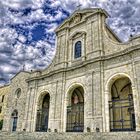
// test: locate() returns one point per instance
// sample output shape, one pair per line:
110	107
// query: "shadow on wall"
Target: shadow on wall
1	124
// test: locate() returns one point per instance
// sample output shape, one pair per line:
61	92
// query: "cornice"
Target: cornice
120	41
97	59
4	86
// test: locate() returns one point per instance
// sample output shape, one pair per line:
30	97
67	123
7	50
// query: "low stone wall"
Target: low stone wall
69	136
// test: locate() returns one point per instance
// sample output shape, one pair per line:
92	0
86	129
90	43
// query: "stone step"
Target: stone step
69	136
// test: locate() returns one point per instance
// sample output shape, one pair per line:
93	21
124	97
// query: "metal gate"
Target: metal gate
122	117
14	123
42	120
75	118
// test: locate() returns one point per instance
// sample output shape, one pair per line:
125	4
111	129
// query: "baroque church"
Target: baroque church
92	84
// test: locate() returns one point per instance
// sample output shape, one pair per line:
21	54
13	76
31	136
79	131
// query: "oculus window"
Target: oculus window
77	49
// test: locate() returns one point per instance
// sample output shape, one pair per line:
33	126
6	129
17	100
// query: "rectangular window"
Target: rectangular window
77	50
0	109
2	98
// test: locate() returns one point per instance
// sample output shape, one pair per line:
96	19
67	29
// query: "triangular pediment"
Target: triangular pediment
78	16
19	74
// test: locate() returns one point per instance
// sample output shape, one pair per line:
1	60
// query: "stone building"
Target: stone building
4	91
92	83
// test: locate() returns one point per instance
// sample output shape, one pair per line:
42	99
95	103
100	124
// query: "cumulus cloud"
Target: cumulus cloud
17	47
17	3
27	38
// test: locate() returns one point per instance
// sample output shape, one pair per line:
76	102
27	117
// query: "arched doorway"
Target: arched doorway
121	106
75	111
14	120
43	114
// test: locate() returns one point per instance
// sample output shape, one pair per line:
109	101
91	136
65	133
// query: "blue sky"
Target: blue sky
27	27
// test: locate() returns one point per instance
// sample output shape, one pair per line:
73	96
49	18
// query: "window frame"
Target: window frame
78	48
18	93
2	100
74	38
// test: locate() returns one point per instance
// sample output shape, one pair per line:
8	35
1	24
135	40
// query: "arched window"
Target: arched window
14	120
43	114
18	93
121	106
78	49
75	111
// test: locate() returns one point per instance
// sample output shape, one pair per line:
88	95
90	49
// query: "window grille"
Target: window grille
122	117
75	112
15	119
43	115
78	51
75	118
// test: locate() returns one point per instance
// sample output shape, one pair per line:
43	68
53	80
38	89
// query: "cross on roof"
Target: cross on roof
23	67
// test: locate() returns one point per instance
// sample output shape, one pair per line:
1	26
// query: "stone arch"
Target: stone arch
42	113
72	87
111	101
75	108
114	77
41	95
18	93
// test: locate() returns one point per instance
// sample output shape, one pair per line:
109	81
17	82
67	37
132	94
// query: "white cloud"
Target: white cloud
22	38
124	16
52	28
17	3
37	3
36	15
55	4
103	0
8	68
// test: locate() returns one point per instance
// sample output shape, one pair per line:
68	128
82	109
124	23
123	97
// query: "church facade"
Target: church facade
92	84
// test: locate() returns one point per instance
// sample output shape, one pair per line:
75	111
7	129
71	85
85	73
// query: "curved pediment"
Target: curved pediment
77	34
79	16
